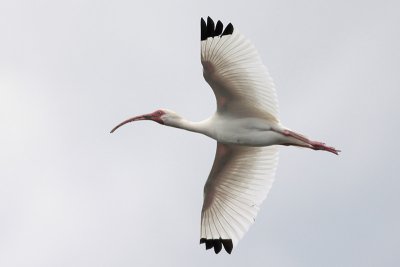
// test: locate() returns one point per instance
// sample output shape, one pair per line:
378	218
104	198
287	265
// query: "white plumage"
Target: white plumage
241	83
239	181
247	128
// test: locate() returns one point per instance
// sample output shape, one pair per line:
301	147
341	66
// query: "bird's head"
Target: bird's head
162	116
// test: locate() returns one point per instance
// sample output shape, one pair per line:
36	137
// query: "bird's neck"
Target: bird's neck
197	127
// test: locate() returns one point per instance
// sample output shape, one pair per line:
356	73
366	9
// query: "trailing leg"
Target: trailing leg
305	142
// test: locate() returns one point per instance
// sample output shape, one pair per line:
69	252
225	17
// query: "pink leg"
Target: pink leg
311	144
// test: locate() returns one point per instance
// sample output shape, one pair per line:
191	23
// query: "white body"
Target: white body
238	131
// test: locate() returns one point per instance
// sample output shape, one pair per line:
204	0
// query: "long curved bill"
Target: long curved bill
137	118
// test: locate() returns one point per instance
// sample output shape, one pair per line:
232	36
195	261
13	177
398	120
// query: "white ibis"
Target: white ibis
247	128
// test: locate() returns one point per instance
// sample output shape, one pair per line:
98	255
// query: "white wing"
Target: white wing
233	68
239	181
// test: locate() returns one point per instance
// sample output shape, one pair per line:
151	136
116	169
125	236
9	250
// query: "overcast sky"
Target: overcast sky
73	195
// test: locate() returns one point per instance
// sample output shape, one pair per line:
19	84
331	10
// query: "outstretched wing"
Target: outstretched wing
233	68
239	181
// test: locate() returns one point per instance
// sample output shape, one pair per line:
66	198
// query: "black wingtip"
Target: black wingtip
203	27
209	244
228	30
210	29
218	28
228	245
217	244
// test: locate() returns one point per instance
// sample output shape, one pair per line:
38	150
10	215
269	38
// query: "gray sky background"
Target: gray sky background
71	194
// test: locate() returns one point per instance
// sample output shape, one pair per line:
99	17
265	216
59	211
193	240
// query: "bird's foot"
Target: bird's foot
321	146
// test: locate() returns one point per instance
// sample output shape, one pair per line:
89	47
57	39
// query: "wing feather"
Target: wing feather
234	70
238	183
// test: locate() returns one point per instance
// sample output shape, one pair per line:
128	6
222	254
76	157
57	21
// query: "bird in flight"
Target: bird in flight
247	129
